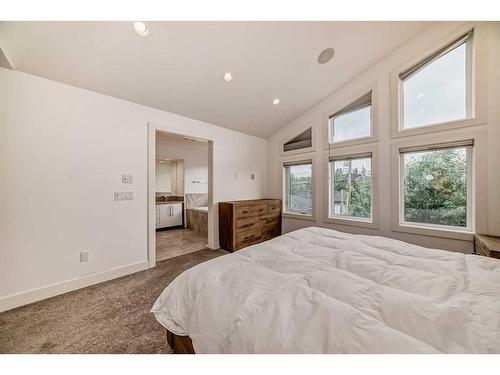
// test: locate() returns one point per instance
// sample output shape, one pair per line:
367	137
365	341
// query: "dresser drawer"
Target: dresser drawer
260	209
270	231
269	219
249	235
274	208
481	249
246	224
244	211
486	245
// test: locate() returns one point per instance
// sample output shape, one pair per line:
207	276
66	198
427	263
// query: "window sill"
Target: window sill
352	142
298	216
432	128
299	151
435	232
353	222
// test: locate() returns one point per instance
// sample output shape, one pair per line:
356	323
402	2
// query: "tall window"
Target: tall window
439	88
351	187
436	185
298	187
353	121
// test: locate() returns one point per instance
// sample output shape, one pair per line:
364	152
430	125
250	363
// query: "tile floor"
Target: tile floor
174	242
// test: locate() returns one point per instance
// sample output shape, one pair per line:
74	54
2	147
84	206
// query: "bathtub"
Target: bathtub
197	219
200	209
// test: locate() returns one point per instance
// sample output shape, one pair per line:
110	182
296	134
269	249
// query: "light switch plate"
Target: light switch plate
127	179
84	256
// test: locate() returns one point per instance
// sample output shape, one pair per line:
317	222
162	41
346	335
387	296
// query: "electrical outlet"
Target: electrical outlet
84	256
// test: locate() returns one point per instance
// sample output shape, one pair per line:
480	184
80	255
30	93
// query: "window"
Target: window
298	187
303	140
351	187
353	121
438	89
436	186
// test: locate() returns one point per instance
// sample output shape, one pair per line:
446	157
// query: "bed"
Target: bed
317	290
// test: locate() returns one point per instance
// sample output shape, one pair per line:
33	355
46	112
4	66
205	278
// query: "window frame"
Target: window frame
469	170
353	152
310	158
475	195
292	134
299	150
356	95
476	84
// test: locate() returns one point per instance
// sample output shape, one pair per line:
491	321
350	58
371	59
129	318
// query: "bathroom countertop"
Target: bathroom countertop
169	202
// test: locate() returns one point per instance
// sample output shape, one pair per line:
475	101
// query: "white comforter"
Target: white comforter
317	290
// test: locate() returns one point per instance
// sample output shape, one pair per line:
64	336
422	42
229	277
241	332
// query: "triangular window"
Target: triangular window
303	140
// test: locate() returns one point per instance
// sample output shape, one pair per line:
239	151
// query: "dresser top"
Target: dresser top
254	201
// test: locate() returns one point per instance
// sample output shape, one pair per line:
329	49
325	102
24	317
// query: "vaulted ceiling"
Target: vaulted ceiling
179	66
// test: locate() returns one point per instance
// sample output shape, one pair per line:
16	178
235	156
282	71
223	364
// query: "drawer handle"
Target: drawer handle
244	212
249	237
248	225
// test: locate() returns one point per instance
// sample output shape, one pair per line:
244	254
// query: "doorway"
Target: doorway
180	194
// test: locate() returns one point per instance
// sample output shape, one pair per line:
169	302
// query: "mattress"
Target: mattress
317	290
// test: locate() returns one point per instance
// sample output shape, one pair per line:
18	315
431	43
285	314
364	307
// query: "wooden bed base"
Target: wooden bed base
180	344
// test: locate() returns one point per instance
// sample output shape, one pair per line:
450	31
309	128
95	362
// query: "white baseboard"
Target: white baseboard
19	299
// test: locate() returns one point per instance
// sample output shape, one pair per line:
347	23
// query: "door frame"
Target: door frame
151	199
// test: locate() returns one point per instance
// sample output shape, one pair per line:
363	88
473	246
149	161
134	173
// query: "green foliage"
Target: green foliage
353	187
300	193
300	185
435	187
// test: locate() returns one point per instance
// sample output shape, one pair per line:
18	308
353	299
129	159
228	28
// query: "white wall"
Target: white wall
487	153
195	157
62	153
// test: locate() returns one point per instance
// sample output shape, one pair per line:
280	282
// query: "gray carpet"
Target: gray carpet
111	317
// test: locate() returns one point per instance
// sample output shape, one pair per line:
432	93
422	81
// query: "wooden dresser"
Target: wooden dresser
488	246
244	223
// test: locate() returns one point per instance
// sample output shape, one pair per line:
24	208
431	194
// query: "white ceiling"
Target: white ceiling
169	139
179	66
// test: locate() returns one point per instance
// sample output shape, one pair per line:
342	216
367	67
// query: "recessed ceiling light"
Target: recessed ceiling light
141	28
326	55
228	77
276	101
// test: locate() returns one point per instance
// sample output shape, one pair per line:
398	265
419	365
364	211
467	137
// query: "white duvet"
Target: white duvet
317	290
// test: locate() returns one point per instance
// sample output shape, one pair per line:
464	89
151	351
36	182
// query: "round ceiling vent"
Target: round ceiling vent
326	55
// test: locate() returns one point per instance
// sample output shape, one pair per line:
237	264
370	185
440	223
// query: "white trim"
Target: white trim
299	157
151	199
469	220
374	133
478	173
477	88
298	216
151	211
373	222
33	295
